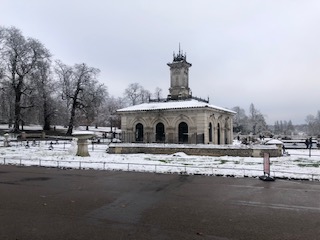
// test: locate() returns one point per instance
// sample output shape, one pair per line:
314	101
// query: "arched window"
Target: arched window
210	132
160	135
139	133
183	132
218	132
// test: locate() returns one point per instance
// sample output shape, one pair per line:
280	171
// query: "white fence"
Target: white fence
157	168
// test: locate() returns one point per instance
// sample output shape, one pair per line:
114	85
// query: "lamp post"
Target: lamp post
310	146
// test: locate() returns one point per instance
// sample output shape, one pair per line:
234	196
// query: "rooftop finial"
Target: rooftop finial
180	56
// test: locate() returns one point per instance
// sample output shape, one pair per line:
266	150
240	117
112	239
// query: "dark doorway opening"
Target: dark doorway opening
210	132
139	132
183	132
219	142
160	135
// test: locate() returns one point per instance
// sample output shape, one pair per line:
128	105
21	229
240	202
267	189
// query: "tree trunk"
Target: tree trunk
46	125
46	116
17	111
71	121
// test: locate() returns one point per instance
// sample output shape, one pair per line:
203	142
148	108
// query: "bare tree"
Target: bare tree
240	121
256	120
45	87
21	56
136	94
78	85
313	124
109	111
157	93
6	103
145	96
93	97
133	93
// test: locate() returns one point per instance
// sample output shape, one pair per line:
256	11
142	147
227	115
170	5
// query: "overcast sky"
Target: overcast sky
242	51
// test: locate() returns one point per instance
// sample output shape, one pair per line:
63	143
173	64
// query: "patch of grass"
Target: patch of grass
300	160
309	165
223	161
252	163
164	161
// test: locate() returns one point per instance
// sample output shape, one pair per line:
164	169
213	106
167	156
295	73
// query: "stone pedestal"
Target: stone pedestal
83	148
83	137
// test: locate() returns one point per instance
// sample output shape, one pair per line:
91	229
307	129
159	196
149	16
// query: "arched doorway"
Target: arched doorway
139	133
210	132
218	133
183	132
160	135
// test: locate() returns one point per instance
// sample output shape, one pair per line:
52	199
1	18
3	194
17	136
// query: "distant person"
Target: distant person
310	142
283	149
307	143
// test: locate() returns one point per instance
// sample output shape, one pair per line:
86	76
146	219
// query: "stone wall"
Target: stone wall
200	150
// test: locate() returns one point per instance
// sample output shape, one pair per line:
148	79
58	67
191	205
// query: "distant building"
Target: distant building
180	118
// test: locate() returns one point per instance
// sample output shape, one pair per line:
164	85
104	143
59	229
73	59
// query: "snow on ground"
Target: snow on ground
297	166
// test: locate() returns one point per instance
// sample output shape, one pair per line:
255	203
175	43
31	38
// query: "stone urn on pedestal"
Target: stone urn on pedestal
83	137
6	142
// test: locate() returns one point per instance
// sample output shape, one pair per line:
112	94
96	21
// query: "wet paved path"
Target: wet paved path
39	203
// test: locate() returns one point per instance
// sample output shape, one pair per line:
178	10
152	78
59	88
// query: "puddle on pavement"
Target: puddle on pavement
10	183
35	179
126	209
130	207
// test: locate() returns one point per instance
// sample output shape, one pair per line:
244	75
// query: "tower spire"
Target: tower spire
180	56
179	76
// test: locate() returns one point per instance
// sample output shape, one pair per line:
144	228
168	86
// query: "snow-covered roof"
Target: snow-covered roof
183	104
274	141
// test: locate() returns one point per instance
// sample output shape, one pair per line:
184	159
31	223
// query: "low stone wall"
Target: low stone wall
193	149
25	135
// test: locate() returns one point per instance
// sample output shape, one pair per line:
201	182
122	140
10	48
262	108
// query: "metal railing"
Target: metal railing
60	145
158	168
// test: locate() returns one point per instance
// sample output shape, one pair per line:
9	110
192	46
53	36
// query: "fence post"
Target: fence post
4	161
310	151
128	166
40	162
79	164
104	166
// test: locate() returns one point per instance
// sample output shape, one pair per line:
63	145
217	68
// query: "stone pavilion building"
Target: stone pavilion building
180	118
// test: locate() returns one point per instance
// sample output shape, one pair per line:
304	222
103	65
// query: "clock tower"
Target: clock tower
179	77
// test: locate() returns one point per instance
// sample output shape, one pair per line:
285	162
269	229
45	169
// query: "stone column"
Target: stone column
222	136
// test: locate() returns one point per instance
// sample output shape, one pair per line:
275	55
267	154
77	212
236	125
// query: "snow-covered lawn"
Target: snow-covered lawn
298	165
